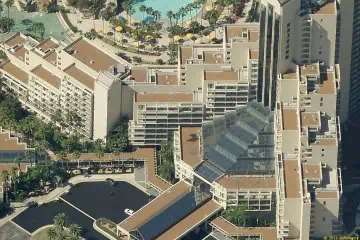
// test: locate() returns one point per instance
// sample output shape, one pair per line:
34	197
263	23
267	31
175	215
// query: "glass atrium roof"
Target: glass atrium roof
240	142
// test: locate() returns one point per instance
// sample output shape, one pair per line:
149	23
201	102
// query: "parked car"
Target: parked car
110	181
129	211
32	204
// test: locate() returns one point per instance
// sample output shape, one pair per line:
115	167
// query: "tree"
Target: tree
38	27
99	148
182	12
170	15
142	9
117	140
75	231
61	221
6	24
9	4
137	59
166	167
195	27
237	215
51	233
57	118
159	62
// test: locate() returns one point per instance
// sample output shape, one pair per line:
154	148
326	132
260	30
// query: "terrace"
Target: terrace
16	72
163	97
248	182
80	76
290	119
47	76
190	145
292	179
221	76
91	55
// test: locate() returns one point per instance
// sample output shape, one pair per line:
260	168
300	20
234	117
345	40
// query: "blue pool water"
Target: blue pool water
161	5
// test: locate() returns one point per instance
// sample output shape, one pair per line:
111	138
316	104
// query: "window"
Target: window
323	219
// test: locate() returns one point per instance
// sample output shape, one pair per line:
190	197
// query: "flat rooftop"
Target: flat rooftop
252	182
220	75
253	36
15	71
311	69
46	45
20	53
51	57
139	74
154	207
190	145
253	54
251	32
10	143
15	40
327	194
327	84
311	171
80	76
292	179
166	78
185	54
290	119
191	221
266	233
310	119
327	8
164	97
211	57
325	142
290	75
47	76
90	55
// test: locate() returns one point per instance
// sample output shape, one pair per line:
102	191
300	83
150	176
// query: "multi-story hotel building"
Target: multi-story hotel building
210	80
79	77
281	164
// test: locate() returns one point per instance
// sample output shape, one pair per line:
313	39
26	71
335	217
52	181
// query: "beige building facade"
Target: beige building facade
79	78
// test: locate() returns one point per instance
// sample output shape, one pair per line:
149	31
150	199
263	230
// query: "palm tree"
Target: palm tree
170	15
75	230
157	15
29	154
182	12
17	161
1	7
76	155
63	157
51	233
99	147
61	221
13	177
142	9
9	4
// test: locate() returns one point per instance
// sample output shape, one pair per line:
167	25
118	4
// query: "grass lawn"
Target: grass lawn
41	235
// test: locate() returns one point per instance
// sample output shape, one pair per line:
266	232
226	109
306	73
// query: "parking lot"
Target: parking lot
96	199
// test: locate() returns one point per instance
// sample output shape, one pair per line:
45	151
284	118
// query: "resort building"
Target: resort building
77	79
281	165
210	80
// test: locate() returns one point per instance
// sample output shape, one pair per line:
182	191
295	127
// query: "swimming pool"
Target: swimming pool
161	5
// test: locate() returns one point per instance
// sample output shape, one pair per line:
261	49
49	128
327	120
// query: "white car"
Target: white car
129	212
